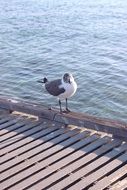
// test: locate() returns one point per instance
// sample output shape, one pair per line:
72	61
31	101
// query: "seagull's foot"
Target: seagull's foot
61	111
68	110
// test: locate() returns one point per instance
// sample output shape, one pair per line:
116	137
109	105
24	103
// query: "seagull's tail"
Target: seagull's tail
44	80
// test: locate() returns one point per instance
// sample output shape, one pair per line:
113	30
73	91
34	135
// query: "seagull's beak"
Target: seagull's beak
69	81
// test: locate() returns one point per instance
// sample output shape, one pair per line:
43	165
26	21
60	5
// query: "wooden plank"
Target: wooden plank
99	173
36	151
35	168
121	185
31	136
8	124
35	127
19	128
41	155
109	179
55	170
54	158
8	118
11	128
35	144
3	120
89	168
72	165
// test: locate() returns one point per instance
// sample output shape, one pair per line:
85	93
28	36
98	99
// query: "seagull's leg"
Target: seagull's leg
60	106
67	106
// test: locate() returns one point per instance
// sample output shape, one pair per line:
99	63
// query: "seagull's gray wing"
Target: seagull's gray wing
53	87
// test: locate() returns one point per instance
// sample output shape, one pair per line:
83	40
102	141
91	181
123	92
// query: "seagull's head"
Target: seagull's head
68	78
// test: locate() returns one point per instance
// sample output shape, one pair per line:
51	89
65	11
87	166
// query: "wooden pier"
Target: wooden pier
41	149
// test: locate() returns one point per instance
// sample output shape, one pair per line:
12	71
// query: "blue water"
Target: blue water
50	37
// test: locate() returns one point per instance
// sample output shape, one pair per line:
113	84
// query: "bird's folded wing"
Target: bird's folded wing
54	88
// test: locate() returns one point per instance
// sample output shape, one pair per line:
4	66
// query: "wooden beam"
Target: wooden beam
25	107
116	128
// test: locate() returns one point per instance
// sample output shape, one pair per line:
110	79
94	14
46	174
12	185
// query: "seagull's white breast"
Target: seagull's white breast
70	89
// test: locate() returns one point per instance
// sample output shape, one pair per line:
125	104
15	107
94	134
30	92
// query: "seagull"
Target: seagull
61	88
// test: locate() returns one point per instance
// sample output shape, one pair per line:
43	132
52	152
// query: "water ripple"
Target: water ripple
48	38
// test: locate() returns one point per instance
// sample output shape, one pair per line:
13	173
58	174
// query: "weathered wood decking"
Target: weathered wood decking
47	150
